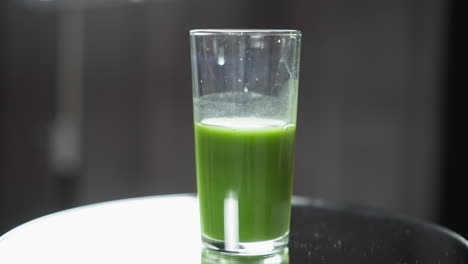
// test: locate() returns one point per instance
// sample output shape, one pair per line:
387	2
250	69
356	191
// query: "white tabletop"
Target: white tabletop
139	230
165	229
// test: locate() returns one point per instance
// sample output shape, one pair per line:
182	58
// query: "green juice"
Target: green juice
248	162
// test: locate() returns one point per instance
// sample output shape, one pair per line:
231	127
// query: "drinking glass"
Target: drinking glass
245	89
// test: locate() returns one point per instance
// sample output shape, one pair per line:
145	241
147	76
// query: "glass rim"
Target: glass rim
264	32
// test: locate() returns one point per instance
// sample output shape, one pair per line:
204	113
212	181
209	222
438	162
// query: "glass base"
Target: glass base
265	247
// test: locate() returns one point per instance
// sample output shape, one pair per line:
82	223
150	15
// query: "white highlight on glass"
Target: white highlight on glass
231	222
221	59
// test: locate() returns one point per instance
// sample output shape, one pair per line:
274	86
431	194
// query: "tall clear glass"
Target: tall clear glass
245	88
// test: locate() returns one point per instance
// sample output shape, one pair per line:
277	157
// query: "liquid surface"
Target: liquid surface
244	177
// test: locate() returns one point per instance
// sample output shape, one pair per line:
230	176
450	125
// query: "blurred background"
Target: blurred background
95	100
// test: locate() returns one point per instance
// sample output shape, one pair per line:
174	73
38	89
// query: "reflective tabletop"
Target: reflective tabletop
165	229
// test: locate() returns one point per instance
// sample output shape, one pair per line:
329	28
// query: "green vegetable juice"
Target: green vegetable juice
244	177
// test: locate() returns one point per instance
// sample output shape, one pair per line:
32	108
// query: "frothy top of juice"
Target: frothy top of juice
243	122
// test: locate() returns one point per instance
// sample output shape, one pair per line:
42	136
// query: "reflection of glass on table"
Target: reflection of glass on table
213	257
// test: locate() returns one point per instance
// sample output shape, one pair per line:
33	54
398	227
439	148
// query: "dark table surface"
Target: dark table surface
165	229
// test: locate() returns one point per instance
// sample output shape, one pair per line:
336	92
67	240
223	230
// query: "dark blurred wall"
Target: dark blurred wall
453	178
372	87
28	54
369	110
